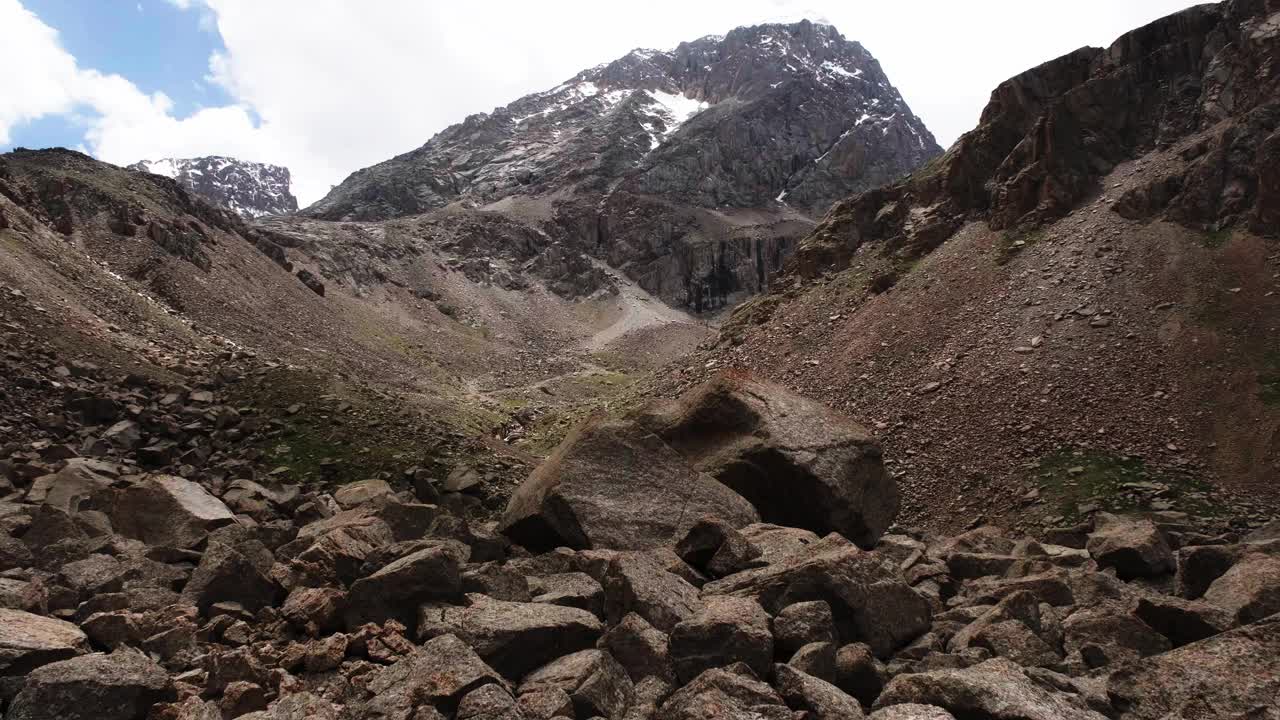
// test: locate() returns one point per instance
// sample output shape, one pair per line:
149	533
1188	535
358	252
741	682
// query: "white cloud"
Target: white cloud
333	86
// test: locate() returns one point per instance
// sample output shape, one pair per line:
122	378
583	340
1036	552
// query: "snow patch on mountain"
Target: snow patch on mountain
249	188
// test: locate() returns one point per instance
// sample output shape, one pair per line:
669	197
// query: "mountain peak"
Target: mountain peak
251	189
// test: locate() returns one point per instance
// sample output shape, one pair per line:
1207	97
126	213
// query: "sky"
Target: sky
326	87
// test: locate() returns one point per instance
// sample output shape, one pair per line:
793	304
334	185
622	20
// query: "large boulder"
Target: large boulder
637	582
800	463
121	686
395	592
869	600
614	485
515	638
28	641
1250	590
235	567
597	685
168	511
443	669
725	694
819	698
996	689
1232	675
724	631
1135	547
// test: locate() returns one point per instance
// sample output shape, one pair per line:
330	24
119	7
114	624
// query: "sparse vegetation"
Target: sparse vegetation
1214	239
1073	481
1014	241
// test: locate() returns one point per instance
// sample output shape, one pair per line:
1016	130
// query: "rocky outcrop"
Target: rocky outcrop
1195	83
249	188
655	162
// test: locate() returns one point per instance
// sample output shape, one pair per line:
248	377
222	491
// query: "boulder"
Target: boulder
500	581
1134	547
1232	675
488	702
725	694
121	686
868	599
595	682
358	493
996	689
395	591
641	649
1016	628
614	485
1102	637
717	548
573	589
235	567
28	641
911	711
817	659
168	511
1200	565
801	624
1250	590
516	638
71	487
1182	621
638	582
798	462
316	610
724	631
444	668
820	699
298	706
546	704
859	673
777	542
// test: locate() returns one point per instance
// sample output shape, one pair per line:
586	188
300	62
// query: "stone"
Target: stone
859	673
516	638
1232	675
817	659
724	631
1182	621
358	493
489	702
868	600
316	610
29	641
1250	590
798	462
444	668
235	567
14	553
725	694
298	706
1200	565
573	589
121	686
241	698
911	711
72	487
1103	637
595	682
500	581
638	582
546	704
995	689
395	591
820	699
717	548
777	542
641	649
1134	547
169	511
613	485
1015	628
803	623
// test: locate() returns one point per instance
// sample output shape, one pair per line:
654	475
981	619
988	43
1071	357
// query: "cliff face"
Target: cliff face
695	170
1048	135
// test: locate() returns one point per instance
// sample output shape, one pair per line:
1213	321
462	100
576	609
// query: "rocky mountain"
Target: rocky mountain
249	188
1075	306
693	170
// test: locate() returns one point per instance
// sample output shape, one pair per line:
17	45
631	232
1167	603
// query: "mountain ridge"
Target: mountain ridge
251	189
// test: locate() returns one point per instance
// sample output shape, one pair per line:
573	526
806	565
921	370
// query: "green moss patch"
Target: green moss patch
1073	483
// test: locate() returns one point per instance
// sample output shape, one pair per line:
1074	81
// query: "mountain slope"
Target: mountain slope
693	169
1076	305
249	188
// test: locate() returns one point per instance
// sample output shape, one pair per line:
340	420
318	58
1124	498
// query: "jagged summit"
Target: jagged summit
249	188
694	168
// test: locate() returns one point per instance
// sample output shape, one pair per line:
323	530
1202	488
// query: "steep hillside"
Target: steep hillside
693	170
1076	306
249	188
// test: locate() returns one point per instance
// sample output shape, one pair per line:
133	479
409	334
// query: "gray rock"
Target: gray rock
1232	675
394	592
1134	547
1250	590
724	631
995	689
800	463
516	638
573	589
595	682
1016	629
235	567
725	694
803	623
640	648
444	668
613	485
28	641
638	582
121	686
1200	565
168	511
1102	637
489	702
911	711
820	699
1182	621
868	599
859	673
358	493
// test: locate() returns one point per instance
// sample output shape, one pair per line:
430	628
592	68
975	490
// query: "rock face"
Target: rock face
798	462
614	485
120	686
249	188
655	162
